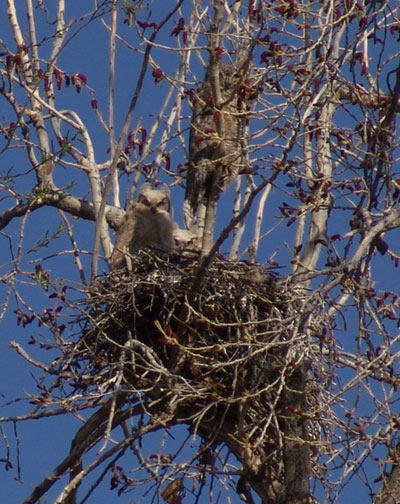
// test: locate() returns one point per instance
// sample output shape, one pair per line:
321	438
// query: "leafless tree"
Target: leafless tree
260	359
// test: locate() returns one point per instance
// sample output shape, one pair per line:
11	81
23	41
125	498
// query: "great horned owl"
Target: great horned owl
207	148
148	223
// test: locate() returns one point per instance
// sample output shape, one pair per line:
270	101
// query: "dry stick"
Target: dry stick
71	204
319	217
257	227
206	261
33	94
78	261
150	138
237	233
111	89
307	151
209	220
155	423
124	133
122	445
48	369
87	436
390	221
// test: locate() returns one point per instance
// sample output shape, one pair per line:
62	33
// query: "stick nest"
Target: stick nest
227	334
223	349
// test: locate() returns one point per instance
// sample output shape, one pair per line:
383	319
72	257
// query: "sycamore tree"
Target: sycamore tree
261	363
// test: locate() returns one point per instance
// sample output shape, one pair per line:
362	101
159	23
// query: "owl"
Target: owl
147	224
207	150
187	244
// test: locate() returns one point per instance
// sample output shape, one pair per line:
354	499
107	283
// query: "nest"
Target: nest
234	334
221	346
235	312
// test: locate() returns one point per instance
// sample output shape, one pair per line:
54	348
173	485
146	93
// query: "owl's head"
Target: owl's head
156	200
230	74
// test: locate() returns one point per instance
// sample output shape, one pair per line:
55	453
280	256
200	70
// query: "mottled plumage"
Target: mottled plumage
208	149
147	224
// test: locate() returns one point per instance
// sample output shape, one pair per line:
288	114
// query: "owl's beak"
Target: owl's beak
153	209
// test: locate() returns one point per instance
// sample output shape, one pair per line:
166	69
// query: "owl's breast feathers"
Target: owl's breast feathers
147	224
153	229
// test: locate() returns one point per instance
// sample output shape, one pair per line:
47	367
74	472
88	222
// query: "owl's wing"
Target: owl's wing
125	234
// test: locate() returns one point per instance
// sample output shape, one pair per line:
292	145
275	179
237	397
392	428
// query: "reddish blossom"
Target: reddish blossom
266	38
82	78
209	100
145	24
79	81
11	128
219	51
167	160
395	29
17	59
46	83
363	68
259	12
9	61
264	57
58	77
158	75
23	318
251	10
363	23
178	28
288	9
216	115
143	132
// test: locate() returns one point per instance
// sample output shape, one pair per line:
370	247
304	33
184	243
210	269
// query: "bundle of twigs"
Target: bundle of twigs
232	338
224	352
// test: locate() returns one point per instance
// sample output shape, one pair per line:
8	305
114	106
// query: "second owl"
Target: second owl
207	150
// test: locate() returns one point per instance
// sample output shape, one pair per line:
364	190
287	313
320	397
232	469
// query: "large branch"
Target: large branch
75	206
